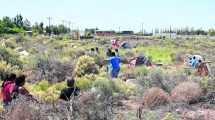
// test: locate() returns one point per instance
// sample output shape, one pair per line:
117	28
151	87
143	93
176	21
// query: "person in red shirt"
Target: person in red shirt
7	88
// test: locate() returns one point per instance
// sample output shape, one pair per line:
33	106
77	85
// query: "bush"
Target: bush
82	83
86	65
42	86
126	88
58	110
50	68
6	69
186	92
98	58
10	56
154	97
103	85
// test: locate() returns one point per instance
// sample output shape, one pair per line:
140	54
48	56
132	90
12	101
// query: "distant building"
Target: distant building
125	33
29	33
165	34
104	33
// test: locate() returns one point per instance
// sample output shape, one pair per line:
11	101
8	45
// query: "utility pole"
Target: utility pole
142	27
119	29
170	31
63	22
72	28
69	25
49	26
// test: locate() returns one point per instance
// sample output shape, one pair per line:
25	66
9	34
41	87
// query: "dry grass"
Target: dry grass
154	97
186	92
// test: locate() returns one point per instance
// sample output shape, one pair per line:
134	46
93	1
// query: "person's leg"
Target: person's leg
5	104
114	73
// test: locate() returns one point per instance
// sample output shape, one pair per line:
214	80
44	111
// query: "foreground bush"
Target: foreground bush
154	97
186	92
22	109
86	65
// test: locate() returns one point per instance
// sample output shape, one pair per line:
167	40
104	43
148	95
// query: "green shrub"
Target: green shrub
98	58
6	69
103	85
42	86
82	83
123	87
86	65
10	56
169	116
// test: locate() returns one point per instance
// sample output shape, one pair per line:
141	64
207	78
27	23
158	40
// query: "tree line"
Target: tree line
186	31
20	25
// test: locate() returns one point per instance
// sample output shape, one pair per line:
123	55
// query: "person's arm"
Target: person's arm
22	91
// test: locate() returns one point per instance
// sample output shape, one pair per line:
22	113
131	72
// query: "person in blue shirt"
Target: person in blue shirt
114	65
193	62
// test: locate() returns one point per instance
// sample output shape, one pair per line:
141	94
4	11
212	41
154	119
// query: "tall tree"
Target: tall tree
26	25
18	21
62	29
8	22
40	28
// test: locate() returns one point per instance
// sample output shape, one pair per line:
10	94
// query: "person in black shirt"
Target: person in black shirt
67	92
109	52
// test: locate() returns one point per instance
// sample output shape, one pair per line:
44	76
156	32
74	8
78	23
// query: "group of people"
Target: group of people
93	50
109	52
197	62
13	87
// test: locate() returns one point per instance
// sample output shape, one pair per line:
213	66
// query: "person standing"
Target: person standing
117	52
97	50
114	65
109	52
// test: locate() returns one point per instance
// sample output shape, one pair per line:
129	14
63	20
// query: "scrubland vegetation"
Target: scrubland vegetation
161	92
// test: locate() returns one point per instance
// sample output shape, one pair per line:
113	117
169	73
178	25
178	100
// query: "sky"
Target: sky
115	14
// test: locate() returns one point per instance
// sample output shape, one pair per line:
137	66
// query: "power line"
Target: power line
69	25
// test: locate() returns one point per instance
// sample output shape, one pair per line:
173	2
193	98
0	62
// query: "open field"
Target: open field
164	92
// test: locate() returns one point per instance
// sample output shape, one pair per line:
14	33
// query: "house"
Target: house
29	33
104	33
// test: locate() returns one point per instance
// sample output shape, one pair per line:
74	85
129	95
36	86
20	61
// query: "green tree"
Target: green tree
212	32
40	28
26	25
90	31
62	29
200	32
7	22
18	21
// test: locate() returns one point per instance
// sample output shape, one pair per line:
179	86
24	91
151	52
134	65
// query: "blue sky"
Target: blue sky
112	14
